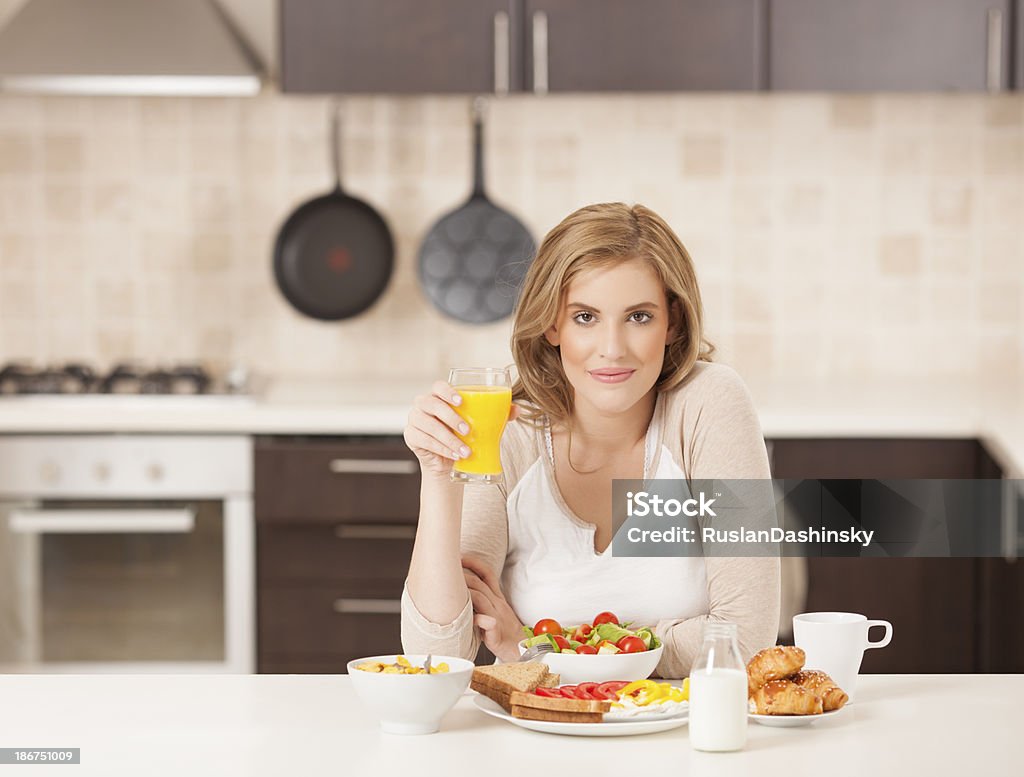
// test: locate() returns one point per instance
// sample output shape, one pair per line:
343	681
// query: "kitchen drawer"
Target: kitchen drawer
355	480
315	620
929	601
355	553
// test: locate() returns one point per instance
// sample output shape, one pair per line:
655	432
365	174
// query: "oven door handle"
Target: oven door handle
124	521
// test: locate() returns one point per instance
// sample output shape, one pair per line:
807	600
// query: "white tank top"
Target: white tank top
553	571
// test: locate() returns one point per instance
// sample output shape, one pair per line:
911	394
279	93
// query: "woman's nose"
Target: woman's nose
612	342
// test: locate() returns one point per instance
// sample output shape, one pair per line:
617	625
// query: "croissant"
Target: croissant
784	697
820	684
773	663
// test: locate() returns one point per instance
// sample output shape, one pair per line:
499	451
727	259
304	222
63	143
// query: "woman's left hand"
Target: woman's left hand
501	627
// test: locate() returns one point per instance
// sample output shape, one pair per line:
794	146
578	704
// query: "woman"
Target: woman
615	381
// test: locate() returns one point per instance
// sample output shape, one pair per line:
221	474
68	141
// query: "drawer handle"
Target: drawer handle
373	467
372	606
361	531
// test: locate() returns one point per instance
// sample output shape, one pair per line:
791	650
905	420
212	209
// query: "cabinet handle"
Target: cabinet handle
373	467
994	65
112	521
540	52
502	64
1011	540
368	606
368	531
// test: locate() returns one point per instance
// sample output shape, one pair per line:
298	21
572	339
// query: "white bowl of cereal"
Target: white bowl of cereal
404	698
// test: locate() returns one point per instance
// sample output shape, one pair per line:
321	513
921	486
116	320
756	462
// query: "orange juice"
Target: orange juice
485	409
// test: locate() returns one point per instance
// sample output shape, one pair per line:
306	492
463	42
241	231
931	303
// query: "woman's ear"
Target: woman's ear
675	322
551	335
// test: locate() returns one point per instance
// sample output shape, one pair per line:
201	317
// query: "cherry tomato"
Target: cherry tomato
547	626
582	633
586	650
563	643
606	617
631	645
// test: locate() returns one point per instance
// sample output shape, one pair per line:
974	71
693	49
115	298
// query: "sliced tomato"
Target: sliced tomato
551	693
587	695
587	687
604	695
563	643
612	686
586	650
569	691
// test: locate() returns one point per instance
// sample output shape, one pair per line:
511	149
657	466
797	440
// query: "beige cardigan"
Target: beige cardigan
711	429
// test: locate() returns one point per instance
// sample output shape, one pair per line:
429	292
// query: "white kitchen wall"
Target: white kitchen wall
836	237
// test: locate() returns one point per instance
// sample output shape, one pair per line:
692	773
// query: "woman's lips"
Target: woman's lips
611	376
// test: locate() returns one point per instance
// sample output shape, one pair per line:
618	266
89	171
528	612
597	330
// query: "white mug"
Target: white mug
835	643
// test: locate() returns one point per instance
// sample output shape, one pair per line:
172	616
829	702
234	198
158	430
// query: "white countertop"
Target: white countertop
793	409
313	724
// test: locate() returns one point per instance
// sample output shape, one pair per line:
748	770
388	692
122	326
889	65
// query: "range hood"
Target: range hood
125	47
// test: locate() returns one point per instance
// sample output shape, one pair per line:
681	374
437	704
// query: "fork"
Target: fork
535	652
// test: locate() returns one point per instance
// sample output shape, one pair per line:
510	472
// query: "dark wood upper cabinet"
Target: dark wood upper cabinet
643	45
399	46
890	45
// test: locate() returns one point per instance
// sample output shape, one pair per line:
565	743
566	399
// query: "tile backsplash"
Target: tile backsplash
835	237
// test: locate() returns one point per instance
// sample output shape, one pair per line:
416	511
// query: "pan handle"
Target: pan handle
335	108
479	108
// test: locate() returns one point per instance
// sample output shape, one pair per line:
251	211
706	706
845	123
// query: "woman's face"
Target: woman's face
612	331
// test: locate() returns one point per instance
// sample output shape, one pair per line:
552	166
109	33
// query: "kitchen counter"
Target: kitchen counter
797	409
313	724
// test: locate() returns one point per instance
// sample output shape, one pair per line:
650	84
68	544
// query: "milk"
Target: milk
718	709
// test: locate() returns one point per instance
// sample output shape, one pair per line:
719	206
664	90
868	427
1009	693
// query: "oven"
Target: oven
126	553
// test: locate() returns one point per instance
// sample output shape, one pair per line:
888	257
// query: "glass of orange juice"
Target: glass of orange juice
486	400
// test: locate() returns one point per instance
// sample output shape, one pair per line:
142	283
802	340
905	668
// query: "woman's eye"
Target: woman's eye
640	317
583	317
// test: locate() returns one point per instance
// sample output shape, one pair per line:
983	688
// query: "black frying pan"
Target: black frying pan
473	260
334	255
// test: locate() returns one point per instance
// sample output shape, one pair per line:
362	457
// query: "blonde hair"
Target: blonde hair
598	236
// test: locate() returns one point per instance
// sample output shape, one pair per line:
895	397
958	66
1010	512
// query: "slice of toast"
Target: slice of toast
500	681
535	713
532	700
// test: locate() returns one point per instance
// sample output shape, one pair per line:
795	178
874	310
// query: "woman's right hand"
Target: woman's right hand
430	430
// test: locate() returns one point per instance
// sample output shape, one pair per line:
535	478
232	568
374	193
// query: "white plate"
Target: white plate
791	721
612	728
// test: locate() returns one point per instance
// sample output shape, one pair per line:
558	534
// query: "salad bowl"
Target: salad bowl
576	669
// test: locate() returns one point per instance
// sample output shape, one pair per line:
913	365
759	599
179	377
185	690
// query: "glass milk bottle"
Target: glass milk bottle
718	692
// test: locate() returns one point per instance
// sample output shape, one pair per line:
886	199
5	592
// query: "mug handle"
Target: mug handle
884	640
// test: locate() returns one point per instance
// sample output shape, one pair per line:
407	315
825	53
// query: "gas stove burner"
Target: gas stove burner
123	378
19	378
128	378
